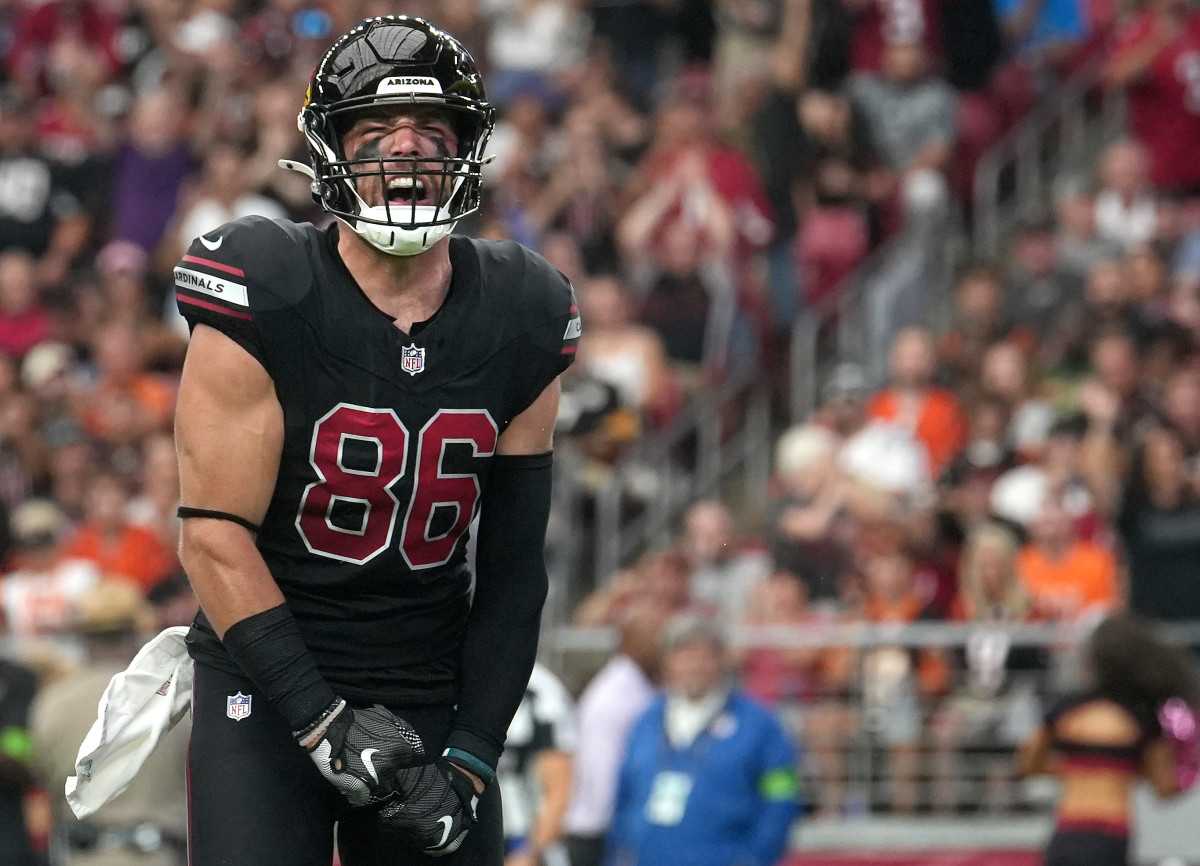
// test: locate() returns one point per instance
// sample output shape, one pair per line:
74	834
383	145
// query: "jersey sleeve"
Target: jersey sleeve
555	326
214	284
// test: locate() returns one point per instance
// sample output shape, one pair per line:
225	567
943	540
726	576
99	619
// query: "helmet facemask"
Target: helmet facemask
444	187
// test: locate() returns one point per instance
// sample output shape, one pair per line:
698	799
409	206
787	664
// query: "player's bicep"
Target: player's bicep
229	428
532	432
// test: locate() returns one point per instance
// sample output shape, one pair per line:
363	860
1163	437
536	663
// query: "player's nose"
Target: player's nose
404	141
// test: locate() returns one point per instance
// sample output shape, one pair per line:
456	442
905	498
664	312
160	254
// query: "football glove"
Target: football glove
433	810
358	751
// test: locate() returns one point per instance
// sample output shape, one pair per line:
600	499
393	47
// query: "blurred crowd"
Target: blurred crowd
1034	461
701	170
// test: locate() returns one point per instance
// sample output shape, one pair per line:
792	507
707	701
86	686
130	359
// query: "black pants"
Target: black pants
585	850
256	799
1087	848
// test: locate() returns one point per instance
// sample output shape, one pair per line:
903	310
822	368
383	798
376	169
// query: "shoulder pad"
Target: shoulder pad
250	265
537	298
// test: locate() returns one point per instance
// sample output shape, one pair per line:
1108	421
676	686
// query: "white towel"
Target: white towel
139	707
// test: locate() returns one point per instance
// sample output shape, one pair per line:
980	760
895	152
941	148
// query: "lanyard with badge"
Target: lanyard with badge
671	789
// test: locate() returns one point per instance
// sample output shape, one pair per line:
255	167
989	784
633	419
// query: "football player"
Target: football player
351	398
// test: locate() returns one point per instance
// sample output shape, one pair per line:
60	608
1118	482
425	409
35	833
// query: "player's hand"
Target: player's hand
434	807
358	751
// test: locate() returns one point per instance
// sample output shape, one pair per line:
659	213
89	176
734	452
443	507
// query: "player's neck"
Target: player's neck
408	288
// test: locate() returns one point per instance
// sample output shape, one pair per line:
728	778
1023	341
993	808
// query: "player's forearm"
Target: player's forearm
501	636
554	773
499	649
247	610
227	572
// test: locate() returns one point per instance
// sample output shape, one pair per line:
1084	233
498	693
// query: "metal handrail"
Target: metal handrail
1053	136
717	456
935	634
603	639
1058	122
861	330
811	321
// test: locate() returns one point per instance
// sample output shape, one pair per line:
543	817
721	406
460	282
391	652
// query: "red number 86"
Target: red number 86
371	486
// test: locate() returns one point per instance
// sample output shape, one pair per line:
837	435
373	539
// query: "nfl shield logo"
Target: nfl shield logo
237	707
412	359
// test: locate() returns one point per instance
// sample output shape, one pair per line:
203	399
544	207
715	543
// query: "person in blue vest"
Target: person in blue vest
709	777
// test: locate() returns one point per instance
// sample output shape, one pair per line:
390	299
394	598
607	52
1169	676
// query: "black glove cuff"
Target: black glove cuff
462	786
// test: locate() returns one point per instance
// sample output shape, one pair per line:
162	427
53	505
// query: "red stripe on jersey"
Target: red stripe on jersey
229	269
216	308
574	308
1104	826
1100	762
569	350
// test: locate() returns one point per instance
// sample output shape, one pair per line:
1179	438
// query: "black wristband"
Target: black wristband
268	647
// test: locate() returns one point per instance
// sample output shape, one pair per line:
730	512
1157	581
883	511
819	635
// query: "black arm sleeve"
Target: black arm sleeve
501	638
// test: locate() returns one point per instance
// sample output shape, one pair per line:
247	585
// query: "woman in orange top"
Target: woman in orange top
1102	742
1066	576
911	400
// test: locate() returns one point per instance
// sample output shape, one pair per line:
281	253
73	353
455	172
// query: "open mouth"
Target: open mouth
409	191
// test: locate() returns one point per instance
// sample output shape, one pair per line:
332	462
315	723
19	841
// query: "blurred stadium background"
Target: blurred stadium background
891	357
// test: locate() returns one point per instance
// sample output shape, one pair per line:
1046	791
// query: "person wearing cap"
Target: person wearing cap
1068	577
38	593
125	296
146	825
709	777
844	400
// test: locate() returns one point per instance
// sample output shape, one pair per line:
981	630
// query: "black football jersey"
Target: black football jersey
388	436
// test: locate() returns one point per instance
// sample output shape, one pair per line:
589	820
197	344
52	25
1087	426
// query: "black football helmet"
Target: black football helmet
395	60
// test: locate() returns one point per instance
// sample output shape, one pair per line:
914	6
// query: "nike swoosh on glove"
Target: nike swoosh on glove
358	751
433	809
